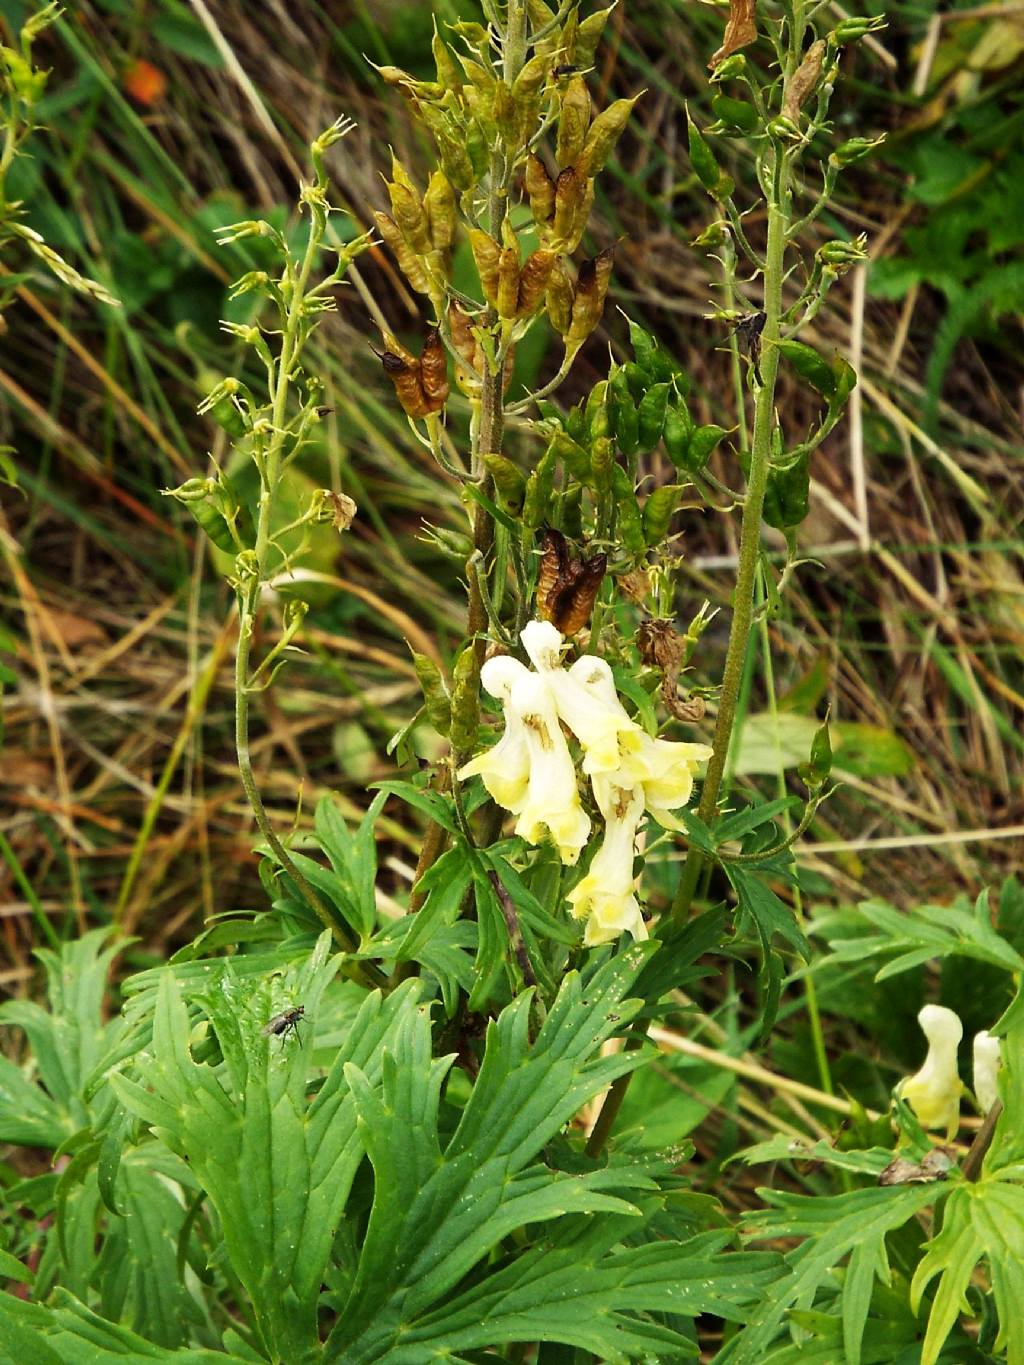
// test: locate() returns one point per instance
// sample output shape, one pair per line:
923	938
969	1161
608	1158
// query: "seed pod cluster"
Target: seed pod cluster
467	344
421	383
420	232
513	290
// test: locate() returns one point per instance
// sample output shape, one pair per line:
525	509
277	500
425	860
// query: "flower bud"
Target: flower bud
731	69
986	1069
784	129
192	490
850	30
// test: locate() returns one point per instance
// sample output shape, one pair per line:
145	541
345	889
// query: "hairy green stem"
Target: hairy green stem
750	530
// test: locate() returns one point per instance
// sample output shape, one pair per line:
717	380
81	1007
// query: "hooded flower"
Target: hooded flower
605	896
664	768
596	725
552	801
986	1069
935	1090
505	768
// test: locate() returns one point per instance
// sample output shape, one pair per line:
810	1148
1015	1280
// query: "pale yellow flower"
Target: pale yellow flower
986	1069
934	1091
504	768
552	800
605	897
664	768
596	725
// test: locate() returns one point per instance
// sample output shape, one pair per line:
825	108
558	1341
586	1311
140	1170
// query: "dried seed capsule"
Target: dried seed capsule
568	193
434	371
591	288
407	212
439	206
541	190
533	280
567	585
506	299
463	340
409	263
573	121
803	80
465	701
558	299
604	133
487	254
403	369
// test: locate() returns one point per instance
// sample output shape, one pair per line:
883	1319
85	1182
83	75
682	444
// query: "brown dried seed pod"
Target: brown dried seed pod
591	288
463	340
434	371
541	190
662	648
533	280
558	299
567	586
568	192
406	379
803	80
487	254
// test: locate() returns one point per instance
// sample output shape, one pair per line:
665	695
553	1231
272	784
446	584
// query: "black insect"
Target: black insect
566	69
284	1023
749	331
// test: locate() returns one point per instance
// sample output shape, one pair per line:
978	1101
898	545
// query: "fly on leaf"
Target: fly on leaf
284	1023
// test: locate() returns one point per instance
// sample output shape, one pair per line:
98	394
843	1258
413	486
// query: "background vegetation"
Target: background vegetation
120	794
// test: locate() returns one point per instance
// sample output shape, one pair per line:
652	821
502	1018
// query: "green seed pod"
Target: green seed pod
588	35
213	523
448	75
595	413
731	69
508	482
702	158
219	404
815	773
576	424
637	380
436	701
659	510
575	457
854	149
628	519
539	490
622	413
541	190
558	299
651	415
678	430
703	441
465	701
644	347
439	206
850	30
570	512
787	496
604	133
487	254
192	490
573	121
602	464
737	115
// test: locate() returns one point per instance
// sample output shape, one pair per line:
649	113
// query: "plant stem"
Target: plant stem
750	529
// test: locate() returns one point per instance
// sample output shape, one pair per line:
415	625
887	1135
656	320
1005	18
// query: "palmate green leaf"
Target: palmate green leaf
929	931
68	1039
353	857
579	1290
28	1117
831	1229
438	1213
277	1167
68	1333
983	1219
782	1148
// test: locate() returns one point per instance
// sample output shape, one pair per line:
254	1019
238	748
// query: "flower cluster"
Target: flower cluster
530	772
935	1090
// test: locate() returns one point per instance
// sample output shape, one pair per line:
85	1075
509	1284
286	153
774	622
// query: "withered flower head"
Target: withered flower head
567	586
